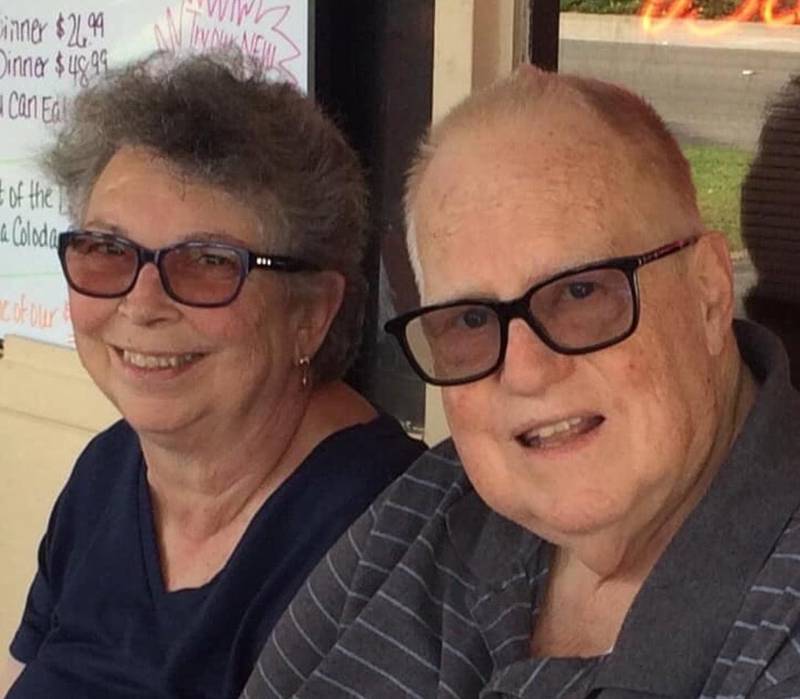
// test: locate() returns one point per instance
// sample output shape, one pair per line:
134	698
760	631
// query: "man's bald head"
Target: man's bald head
587	128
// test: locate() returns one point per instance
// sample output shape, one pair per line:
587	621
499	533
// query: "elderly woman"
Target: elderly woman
216	296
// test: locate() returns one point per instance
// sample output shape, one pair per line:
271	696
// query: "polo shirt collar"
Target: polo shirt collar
679	620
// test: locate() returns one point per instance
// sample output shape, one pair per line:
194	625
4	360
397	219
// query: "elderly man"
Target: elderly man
616	513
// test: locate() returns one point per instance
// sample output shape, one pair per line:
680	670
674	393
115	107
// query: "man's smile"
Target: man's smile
556	433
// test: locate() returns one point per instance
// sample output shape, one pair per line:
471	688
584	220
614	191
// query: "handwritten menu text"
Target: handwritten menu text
49	50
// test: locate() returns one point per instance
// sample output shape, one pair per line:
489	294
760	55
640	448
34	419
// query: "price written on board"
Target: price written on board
49	49
78	29
81	67
35	51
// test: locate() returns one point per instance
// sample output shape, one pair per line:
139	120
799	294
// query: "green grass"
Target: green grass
718	174
602	7
709	9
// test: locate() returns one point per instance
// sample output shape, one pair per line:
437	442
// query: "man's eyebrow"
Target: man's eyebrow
575	264
608	251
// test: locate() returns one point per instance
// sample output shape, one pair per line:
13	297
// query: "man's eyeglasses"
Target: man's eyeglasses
577	311
194	273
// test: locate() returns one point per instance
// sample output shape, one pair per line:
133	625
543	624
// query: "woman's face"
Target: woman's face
168	366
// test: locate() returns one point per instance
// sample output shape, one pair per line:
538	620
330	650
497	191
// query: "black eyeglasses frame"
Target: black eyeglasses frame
144	255
506	311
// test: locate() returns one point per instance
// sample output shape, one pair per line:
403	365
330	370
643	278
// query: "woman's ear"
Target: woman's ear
316	308
714	278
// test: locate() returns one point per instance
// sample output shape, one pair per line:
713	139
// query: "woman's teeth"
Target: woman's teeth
159	361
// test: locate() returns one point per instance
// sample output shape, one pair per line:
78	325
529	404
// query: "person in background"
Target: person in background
217	298
771	223
618	511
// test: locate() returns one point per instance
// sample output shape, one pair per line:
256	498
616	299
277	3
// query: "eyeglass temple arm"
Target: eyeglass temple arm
281	263
668	249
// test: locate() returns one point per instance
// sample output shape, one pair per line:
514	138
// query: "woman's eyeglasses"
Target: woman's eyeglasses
577	311
194	273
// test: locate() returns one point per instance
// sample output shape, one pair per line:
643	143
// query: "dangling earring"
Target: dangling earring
305	365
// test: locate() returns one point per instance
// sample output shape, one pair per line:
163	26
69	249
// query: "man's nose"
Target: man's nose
530	366
147	302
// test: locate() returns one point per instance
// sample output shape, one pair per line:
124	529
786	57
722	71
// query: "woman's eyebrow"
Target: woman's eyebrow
102	226
212	237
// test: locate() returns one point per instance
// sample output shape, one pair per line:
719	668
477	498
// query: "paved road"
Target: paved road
707	89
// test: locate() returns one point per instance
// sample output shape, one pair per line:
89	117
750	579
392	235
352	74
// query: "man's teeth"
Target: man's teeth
161	361
555	428
553	431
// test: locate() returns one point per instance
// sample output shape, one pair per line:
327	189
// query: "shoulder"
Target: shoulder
760	656
413	508
372	453
117	440
104	475
391	583
433	482
384	431
411	514
776	588
105	458
110	461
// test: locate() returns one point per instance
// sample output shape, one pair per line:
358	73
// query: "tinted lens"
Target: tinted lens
99	265
455	343
585	309
203	274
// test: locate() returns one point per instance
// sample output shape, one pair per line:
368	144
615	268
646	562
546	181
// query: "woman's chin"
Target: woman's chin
154	417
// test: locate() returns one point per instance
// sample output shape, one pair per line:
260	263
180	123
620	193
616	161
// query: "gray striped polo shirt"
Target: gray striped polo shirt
432	594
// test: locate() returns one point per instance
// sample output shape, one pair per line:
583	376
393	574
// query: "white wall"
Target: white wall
49	408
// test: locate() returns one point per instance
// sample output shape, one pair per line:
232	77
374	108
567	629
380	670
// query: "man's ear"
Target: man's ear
713	273
316	309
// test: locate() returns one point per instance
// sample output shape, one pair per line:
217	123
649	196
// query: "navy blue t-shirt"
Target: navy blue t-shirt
99	624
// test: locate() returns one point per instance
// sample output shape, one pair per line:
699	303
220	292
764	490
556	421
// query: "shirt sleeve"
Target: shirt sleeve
313	621
38	612
787	688
74	516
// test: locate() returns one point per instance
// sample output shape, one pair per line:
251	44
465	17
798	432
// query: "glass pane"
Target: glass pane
714	69
585	309
202	273
100	265
394	385
455	342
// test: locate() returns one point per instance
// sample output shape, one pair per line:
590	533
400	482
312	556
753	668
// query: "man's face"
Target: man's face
568	445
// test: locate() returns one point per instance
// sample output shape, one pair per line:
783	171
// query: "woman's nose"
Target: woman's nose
148	302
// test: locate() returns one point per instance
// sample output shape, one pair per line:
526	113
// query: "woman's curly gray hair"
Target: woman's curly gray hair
264	143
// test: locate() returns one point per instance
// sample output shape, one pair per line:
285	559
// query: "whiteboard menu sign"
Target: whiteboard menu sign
48	51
